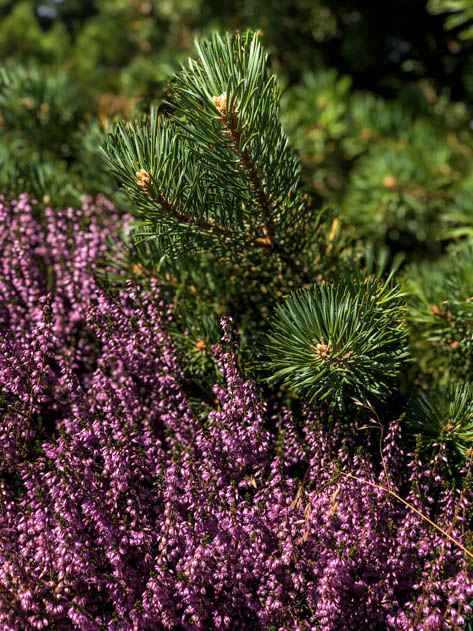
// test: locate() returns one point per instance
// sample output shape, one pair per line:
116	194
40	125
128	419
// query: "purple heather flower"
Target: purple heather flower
123	508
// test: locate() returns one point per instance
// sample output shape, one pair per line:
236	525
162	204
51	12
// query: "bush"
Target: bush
124	507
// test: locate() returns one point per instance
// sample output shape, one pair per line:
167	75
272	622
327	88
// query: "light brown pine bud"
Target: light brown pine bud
144	178
221	103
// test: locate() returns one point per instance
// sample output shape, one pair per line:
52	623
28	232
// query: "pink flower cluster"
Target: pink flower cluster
123	507
47	285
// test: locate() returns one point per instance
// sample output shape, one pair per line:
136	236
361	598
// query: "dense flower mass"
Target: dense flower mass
46	288
123	507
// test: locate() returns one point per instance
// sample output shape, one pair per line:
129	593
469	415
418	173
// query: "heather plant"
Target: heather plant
46	286
139	513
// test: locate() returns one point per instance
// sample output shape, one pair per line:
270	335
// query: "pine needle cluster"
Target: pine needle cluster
221	216
341	342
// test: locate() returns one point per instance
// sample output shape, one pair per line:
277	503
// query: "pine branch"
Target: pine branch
172	211
444	416
218	175
246	163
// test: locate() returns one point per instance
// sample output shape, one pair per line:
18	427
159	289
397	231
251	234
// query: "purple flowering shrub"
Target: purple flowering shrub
54	255
138	511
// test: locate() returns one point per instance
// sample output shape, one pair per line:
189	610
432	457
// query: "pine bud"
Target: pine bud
221	103
144	178
322	351
389	181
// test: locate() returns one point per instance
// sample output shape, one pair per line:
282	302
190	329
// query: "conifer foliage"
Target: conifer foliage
341	341
217	173
214	176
